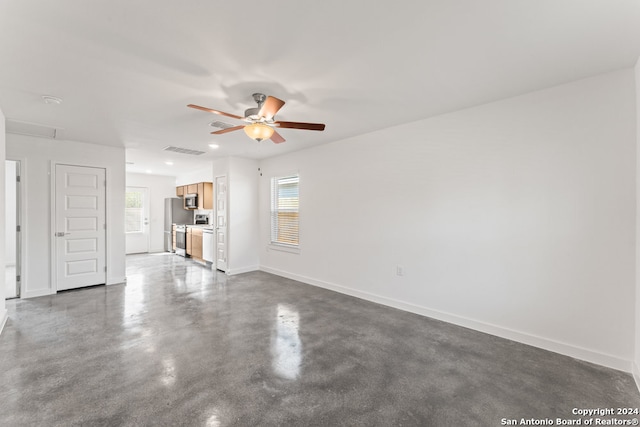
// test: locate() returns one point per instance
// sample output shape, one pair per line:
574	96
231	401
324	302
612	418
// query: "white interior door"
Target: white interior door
80	231
137	220
221	223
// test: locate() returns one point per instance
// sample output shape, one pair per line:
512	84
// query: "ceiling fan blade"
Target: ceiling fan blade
299	125
270	107
209	110
277	138
227	130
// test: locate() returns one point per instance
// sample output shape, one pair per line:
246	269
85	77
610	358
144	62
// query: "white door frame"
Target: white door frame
52	219
215	221
22	221
21	207
146	223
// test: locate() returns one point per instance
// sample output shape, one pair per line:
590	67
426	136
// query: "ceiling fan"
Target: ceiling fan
261	124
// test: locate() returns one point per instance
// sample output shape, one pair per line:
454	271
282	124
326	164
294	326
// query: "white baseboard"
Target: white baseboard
44	292
36	293
116	280
592	356
636	374
241	270
3	318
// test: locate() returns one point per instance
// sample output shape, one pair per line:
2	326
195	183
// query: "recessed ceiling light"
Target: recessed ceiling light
214	146
51	99
148	171
168	163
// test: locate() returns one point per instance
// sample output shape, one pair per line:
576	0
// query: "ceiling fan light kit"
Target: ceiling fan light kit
260	120
259	131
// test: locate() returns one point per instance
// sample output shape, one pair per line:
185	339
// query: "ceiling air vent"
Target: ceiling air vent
32	129
221	125
183	150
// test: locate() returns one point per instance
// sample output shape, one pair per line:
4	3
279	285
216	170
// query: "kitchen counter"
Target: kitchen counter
203	226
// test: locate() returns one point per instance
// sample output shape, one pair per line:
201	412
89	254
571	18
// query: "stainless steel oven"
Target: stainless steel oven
181	240
202	219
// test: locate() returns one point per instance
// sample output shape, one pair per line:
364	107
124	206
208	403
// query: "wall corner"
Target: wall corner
636	353
3	237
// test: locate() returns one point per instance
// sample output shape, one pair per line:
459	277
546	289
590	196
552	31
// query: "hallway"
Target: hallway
183	345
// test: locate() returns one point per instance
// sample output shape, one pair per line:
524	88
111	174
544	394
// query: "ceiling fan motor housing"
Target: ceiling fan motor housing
252	113
249	112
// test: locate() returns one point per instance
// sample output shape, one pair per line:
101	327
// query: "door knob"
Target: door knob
61	234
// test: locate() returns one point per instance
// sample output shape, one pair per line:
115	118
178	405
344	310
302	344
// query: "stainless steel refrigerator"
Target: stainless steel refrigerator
174	213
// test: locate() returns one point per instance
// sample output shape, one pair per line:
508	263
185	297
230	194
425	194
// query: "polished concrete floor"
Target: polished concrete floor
182	345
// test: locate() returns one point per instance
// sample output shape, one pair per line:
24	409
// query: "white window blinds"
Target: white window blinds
284	210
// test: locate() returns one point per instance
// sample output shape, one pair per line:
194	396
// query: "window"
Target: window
284	210
133	211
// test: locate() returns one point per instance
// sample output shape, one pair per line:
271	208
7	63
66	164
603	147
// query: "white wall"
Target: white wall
220	168
160	187
39	153
516	218
192	177
242	208
243	221
3	310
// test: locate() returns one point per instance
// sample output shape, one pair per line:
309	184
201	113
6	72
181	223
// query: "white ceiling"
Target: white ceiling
126	69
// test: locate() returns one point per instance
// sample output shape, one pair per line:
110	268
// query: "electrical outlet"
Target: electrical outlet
399	270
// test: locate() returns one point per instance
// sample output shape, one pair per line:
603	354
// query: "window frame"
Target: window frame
273	243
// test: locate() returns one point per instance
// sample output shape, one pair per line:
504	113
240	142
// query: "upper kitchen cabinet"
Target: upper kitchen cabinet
205	195
204	190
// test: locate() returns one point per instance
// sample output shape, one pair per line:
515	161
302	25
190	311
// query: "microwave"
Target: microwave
191	201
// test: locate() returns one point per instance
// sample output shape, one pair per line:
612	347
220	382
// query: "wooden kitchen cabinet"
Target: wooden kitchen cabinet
205	195
188	248
204	190
196	243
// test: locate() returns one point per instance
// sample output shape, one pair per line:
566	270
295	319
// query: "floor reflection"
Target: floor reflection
286	347
213	420
134	307
133	300
168	377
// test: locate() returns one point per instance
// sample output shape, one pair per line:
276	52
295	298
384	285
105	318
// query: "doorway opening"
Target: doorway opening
12	229
137	220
